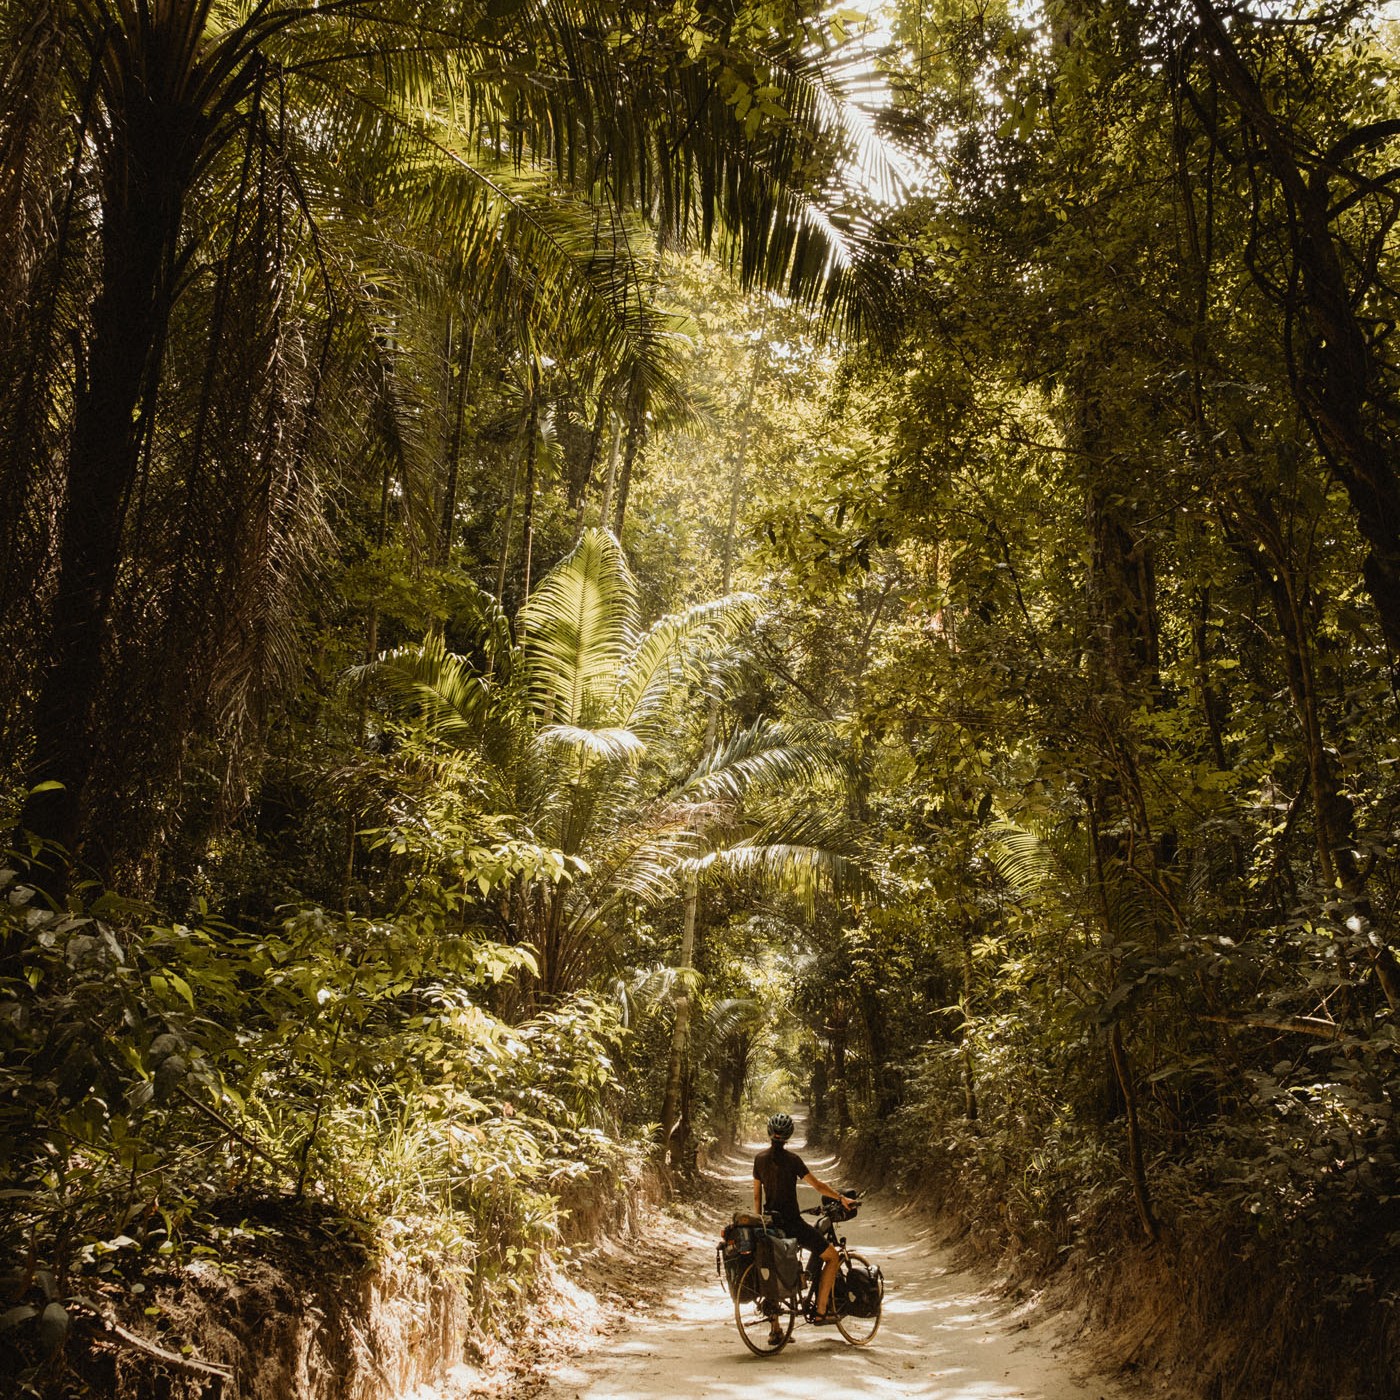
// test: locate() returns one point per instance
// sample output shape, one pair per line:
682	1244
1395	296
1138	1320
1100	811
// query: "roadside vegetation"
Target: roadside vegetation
569	576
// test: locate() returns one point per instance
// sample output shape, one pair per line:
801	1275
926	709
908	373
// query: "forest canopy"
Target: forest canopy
571	574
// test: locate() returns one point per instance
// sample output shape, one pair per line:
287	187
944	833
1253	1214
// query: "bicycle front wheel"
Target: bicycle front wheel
858	1298
764	1324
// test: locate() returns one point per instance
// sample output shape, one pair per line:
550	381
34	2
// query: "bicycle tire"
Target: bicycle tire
858	1331
754	1317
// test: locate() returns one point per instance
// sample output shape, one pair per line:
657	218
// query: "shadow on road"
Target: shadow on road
941	1338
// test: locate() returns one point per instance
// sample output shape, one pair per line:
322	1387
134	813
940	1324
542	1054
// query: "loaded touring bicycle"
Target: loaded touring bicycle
761	1269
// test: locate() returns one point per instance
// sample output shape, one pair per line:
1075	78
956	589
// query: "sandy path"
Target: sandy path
941	1338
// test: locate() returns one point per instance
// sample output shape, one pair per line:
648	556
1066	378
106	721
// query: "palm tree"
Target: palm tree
591	731
190	196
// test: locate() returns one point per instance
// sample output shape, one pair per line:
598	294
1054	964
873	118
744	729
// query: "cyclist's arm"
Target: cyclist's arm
757	1196
825	1190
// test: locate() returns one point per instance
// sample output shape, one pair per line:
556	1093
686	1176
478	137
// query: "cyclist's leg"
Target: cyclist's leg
830	1258
775	1328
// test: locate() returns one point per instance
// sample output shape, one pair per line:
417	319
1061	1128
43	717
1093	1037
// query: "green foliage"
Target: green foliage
156	1077
1103	633
590	735
1031	811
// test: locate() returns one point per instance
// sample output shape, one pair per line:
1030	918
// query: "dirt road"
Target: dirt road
941	1338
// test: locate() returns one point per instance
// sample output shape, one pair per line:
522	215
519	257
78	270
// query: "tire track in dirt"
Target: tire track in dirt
943	1335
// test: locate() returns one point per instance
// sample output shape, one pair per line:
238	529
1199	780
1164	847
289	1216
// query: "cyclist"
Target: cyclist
776	1172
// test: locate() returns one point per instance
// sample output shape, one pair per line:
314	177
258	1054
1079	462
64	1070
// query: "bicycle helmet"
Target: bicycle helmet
780	1127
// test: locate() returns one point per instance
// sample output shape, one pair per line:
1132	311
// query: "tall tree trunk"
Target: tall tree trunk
672	1122
113	406
531	453
580	481
506	527
352	818
965	1030
610	484
1124	660
840	1025
1121	1095
741	454
629	456
738	1076
448	520
1137	1169
1336	380
817	1127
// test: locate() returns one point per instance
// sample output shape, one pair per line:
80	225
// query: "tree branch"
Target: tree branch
1289	1025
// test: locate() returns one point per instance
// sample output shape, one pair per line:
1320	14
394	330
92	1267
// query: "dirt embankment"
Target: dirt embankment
300	1308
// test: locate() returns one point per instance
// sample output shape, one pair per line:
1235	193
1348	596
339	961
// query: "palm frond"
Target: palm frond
1032	859
804	849
768	754
829	95
727	1018
647	989
675	651
455	698
610	745
579	625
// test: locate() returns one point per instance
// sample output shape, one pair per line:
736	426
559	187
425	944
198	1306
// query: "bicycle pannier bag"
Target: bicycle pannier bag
736	1250
779	1265
858	1291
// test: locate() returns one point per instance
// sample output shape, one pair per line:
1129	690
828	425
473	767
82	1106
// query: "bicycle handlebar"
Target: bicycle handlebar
834	1209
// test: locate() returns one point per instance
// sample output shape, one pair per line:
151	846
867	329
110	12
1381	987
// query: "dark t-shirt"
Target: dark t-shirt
779	1171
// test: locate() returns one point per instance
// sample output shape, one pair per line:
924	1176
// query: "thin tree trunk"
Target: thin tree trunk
680	1033
614	446
1137	1169
839	1030
1122	1094
965	1031
362	716
531	452
817	1124
736	1086
578	487
447	522
505	532
1212	704
624	483
741	454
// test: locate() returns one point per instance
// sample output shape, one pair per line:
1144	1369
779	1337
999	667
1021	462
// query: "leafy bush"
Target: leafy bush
155	1076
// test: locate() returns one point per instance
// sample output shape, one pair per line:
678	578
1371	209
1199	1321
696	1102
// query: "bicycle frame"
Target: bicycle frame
766	1326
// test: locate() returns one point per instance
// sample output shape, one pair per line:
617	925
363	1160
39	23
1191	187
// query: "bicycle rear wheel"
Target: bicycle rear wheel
764	1324
858	1299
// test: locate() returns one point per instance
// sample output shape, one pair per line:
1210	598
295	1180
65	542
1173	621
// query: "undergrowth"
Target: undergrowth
1273	1273
172	1092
